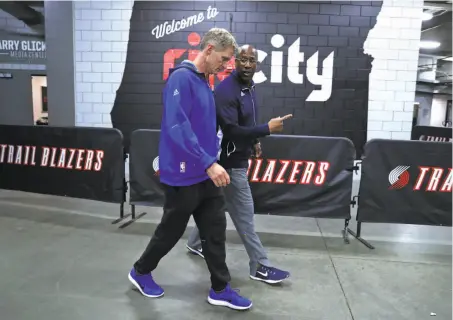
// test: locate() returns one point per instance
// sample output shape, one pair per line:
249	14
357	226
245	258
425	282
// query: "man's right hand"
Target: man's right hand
276	124
218	175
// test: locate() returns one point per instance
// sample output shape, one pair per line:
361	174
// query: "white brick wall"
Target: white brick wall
101	35
394	44
102	31
12	24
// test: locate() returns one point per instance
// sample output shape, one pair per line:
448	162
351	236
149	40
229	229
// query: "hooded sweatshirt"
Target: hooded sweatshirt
188	140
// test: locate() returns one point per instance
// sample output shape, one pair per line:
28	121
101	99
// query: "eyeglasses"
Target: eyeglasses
245	60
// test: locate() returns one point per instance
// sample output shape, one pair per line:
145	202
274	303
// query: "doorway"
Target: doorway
447	122
39	93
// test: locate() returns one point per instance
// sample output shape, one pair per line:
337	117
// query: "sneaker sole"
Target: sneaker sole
198	253
140	288
222	303
267	281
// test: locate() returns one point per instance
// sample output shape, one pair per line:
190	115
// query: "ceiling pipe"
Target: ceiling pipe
32	18
438	5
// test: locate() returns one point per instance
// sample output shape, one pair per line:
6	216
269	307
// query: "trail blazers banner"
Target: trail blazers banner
299	176
303	176
144	169
406	182
312	61
85	163
429	133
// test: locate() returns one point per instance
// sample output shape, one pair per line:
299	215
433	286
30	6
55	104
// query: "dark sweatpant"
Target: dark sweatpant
205	201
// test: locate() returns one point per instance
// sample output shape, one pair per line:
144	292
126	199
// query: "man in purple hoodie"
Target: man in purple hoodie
190	174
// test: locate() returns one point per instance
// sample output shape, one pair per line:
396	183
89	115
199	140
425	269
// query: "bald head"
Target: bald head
246	60
246	49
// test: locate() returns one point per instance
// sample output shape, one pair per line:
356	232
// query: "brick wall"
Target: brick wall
102	34
12	24
394	44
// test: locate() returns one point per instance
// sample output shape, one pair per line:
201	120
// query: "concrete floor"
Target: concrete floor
63	259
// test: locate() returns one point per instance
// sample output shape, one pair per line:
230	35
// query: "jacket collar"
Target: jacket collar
243	85
190	65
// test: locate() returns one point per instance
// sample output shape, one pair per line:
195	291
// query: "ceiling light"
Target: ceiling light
427	16
429	44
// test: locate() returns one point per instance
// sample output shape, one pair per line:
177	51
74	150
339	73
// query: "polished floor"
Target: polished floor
63	259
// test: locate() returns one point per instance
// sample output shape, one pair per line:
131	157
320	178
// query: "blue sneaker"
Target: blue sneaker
195	251
270	275
229	298
145	284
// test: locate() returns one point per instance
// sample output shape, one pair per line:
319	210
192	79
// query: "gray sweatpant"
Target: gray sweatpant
239	201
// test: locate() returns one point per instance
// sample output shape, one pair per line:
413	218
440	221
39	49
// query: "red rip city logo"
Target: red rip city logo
322	80
431	179
193	39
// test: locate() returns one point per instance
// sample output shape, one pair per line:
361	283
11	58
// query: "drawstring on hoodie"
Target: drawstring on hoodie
234	148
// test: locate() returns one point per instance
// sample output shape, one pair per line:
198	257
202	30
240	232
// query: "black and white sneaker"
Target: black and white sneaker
270	275
198	252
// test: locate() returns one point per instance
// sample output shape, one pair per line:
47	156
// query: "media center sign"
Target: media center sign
16	50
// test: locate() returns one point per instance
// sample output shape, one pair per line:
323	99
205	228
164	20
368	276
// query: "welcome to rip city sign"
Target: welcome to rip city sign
295	57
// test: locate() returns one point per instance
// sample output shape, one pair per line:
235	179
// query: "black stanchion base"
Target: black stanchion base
344	232
121	219
358	237
134	217
122	216
132	214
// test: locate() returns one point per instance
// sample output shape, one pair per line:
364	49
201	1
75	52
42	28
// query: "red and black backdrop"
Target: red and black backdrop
319	73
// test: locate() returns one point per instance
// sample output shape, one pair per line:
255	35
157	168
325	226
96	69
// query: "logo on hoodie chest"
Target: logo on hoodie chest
246	102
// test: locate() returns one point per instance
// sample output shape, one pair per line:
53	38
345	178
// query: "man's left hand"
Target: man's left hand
258	150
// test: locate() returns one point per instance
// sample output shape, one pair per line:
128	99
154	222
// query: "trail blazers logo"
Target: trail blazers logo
430	179
399	177
156	166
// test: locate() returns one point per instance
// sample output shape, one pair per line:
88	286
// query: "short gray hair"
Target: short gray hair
220	38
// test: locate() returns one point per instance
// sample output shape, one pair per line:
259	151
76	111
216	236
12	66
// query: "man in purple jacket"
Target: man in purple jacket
190	174
237	116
